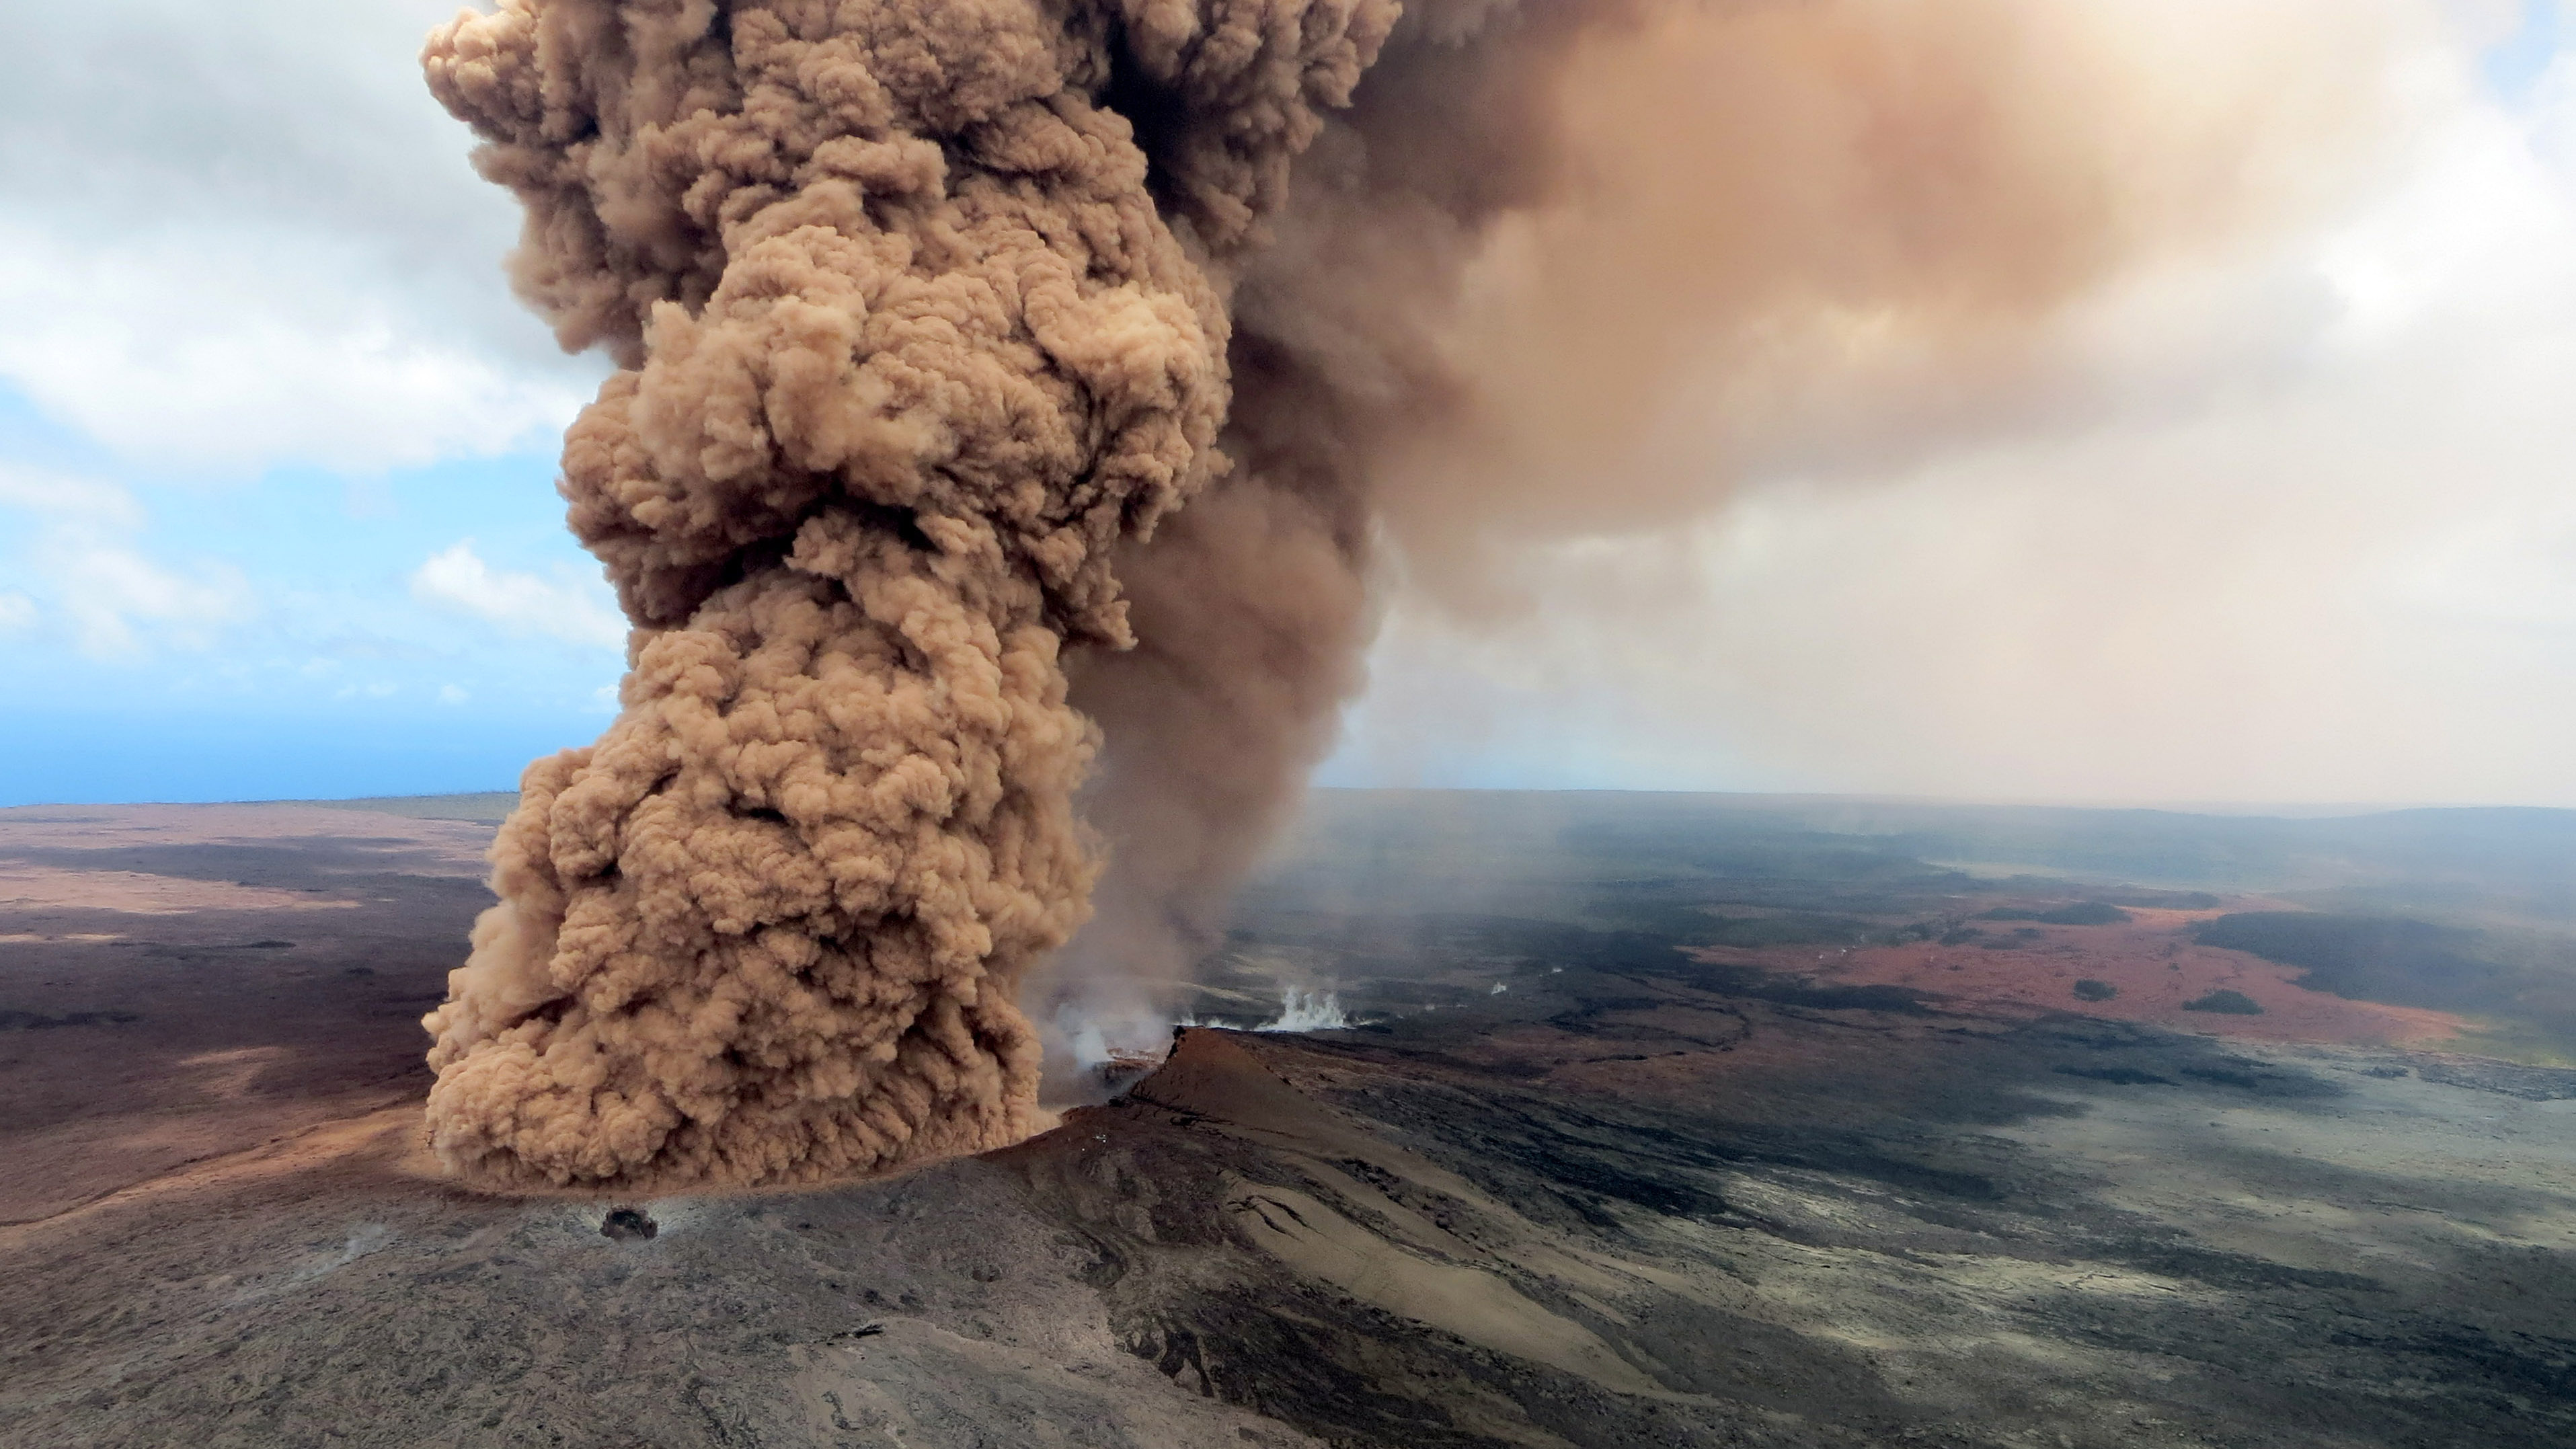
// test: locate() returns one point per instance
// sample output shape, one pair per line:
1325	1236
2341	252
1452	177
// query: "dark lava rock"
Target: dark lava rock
2124	1076
2505	1079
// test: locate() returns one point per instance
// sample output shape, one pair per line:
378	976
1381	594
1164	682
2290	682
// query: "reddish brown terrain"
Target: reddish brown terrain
1571	1177
2024	971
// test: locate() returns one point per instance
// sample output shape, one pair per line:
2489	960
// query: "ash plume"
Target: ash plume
910	335
931	317
1542	233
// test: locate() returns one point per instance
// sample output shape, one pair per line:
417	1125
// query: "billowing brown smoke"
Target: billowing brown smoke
908	345
931	313
1544	239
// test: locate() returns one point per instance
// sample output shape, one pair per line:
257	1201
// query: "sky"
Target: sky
277	517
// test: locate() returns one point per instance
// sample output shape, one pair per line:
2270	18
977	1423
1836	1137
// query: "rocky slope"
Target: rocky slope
1638	1198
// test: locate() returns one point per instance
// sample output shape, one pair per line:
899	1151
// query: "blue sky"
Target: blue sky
277	518
276	447
2515	64
285	634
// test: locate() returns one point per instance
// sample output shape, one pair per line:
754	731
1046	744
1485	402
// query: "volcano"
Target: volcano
1682	1182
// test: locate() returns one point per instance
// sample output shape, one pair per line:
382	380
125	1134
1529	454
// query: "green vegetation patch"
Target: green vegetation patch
2163	900
2372	958
2521	982
489	807
2082	913
2123	1076
2230	1003
1790	928
2089	989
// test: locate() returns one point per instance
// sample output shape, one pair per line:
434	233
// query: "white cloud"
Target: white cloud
2312	538
66	498
569	608
230	353
245	236
121	603
451	694
2325	556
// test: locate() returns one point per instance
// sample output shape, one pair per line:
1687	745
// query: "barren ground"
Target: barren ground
2021	971
1648	1193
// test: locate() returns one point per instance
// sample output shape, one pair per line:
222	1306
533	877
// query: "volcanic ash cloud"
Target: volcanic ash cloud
907	345
929	310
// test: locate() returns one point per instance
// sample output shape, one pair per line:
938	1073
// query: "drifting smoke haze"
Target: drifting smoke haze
2274	511
1019	394
1571	273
